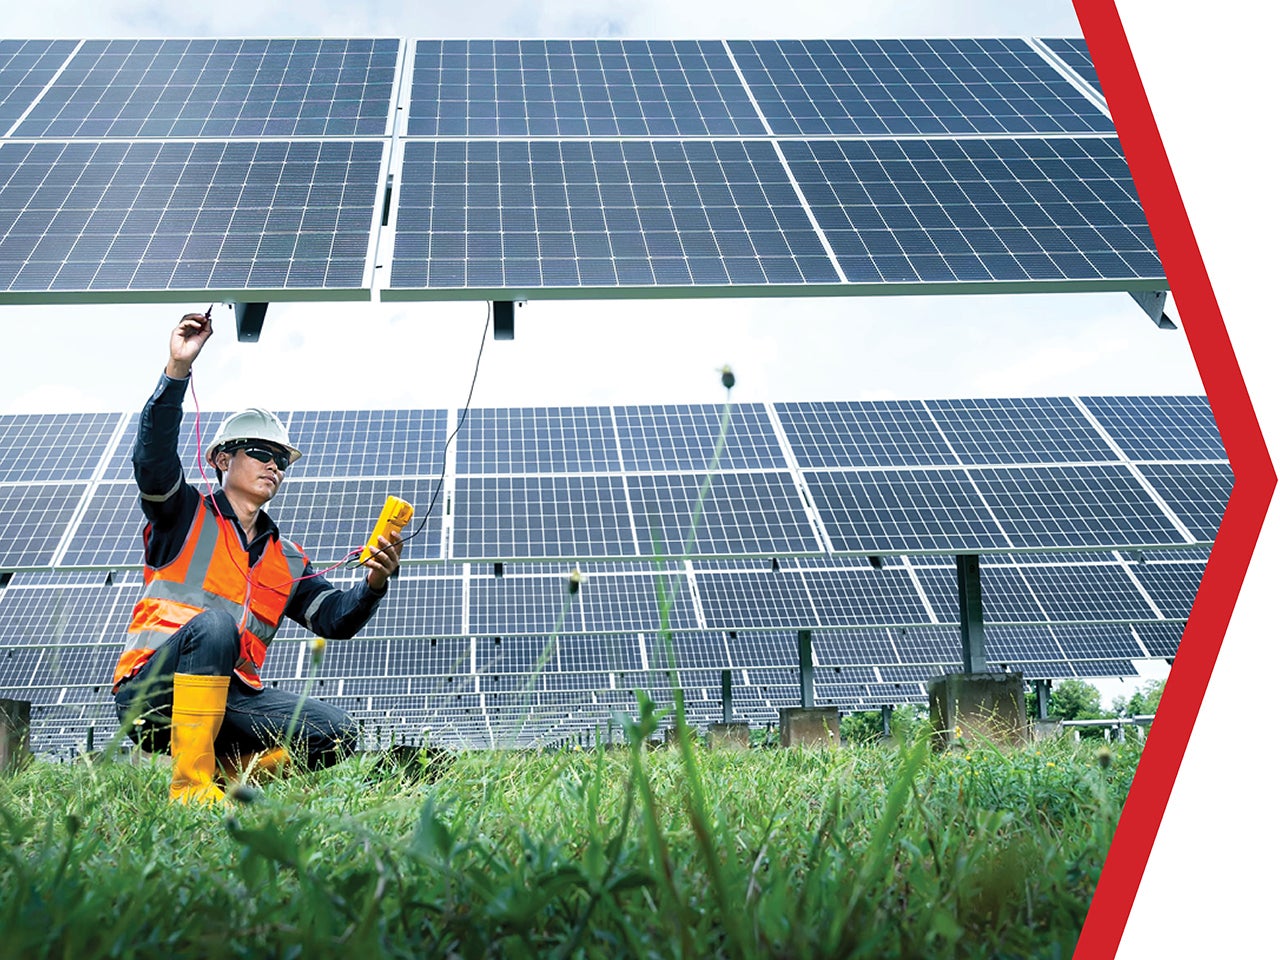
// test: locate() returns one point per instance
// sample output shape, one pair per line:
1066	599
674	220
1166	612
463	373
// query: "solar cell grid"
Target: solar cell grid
634	603
894	433
194	428
1160	428
1197	493
33	520
865	597
886	87
61	615
1173	586
1075	54
1074	506
733	600
1161	639
977	211
742	514
537	440
328	518
522	605
1005	595
1019	430
516	655
110	532
186	215
220	88
1096	642
1105	668
57	446
570	517
850	647
1011	644
25	67
420	606
927	644
597	213
691	652
427	656
592	653
573	88
887	510
684	437
366	443
1087	593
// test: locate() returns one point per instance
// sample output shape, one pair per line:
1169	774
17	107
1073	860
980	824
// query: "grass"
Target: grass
849	852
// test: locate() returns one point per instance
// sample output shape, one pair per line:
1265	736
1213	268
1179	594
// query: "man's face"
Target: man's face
254	471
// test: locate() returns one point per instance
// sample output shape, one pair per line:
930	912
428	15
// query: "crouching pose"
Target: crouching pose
219	579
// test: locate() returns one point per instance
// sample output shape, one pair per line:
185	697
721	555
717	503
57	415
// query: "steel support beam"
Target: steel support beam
886	720
1152	303
249	317
973	650
726	696
805	639
504	320
1042	699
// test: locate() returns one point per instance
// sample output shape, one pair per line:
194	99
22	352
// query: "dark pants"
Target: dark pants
209	644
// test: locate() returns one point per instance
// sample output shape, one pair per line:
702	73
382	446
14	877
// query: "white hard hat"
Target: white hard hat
251	424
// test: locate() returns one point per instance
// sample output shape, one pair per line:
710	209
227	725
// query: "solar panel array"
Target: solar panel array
1094	517
331	169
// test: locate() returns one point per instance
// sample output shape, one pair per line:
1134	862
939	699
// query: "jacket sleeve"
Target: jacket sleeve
328	611
168	501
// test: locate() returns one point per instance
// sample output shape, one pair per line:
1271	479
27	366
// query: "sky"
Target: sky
421	355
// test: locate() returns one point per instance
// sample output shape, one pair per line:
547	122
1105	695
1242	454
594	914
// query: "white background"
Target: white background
1210	885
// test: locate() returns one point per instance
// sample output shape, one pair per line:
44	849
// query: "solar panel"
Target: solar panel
1096	642
1074	506
33	520
960	212
1173	586
1159	428
844	648
1075	54
419	606
896	87
1016	644
865	597
109	534
1087	593
26	66
599	214
571	517
742	513
893	433
186	216
684	437
1160	639
635	603
1019	430
328	518
1197	493
1006	598
575	88
733	600
522	605
58	446
903	510
364	443
537	440
220	88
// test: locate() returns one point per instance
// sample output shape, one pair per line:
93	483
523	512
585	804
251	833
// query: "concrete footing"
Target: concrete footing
728	736
978	708
15	734
809	727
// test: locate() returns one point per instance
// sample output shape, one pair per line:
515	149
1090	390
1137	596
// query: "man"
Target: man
219	579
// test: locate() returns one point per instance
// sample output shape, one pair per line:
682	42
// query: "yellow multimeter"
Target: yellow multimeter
395	514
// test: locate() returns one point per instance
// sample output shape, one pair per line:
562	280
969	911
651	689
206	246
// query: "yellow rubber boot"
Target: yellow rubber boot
199	704
264	765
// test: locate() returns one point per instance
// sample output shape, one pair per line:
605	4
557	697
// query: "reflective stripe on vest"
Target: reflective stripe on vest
209	573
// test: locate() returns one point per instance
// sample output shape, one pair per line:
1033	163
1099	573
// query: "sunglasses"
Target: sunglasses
267	455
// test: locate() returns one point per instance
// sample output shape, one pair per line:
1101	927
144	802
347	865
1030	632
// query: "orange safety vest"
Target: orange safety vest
212	572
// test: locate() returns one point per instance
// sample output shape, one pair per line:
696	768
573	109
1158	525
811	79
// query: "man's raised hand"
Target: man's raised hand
186	342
